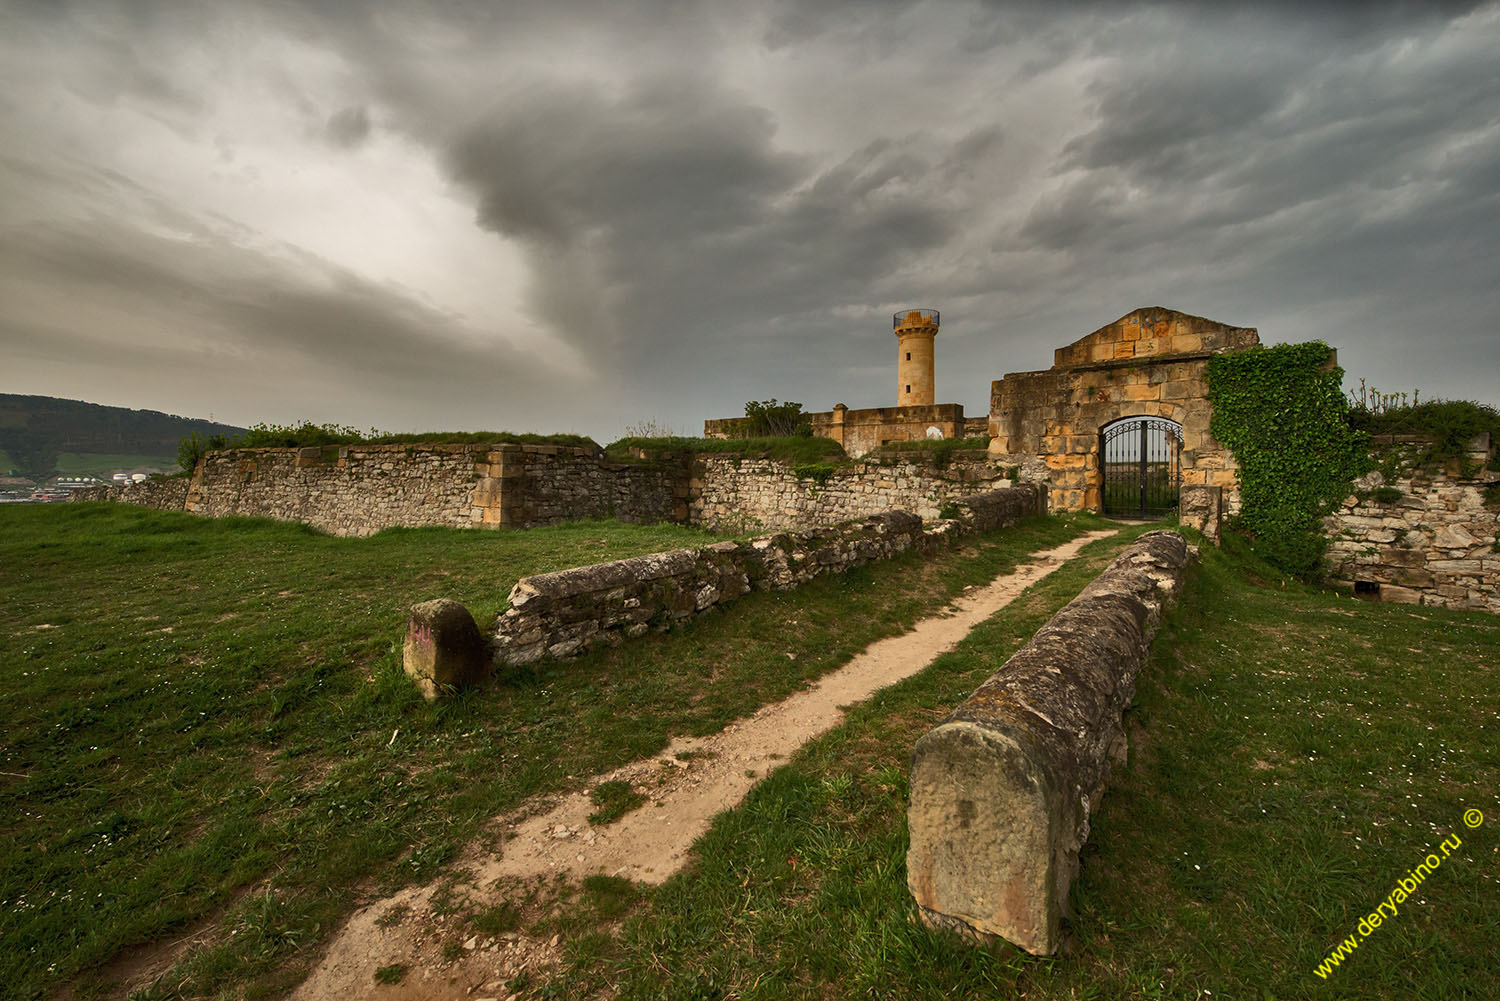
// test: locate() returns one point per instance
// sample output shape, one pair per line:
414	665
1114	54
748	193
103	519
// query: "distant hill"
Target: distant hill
36	432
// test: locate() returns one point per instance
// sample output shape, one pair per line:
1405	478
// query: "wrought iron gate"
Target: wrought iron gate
1140	458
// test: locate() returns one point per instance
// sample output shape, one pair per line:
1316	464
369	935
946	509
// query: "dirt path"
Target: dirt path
686	785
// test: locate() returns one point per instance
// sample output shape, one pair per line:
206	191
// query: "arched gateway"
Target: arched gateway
1150	364
1140	463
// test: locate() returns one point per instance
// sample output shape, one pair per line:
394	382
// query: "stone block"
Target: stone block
1453	537
1138	393
1002	790
443	648
1202	508
1184	343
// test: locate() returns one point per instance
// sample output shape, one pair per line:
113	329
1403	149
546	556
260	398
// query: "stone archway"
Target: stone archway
1151	362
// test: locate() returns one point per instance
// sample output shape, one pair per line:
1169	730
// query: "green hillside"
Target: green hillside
40	435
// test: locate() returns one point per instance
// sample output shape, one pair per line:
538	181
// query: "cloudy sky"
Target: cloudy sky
566	216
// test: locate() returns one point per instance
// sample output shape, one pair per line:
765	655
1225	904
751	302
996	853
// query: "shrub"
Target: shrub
1448	426
818	472
192	448
769	418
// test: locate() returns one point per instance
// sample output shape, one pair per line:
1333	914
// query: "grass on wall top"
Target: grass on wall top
791	449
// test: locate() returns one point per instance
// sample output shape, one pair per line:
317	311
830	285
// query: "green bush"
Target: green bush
767	418
1448	426
818	472
191	449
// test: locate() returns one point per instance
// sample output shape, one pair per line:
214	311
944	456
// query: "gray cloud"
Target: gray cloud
714	204
348	127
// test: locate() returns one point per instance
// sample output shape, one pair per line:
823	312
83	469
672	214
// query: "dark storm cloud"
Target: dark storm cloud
719	202
671	205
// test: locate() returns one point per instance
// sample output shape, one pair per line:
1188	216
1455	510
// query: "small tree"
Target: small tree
767	418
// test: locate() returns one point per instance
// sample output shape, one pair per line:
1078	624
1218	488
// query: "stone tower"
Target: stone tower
916	329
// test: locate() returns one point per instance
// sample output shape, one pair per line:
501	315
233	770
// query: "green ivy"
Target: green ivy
1283	414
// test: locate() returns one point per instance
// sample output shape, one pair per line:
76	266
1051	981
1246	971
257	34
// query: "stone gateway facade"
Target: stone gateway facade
1151	362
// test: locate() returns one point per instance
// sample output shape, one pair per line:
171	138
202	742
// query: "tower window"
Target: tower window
908	356
908	387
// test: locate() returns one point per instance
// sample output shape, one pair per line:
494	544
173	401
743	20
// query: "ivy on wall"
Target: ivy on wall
1282	412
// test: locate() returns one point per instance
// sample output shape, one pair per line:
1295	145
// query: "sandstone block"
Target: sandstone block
1002	790
444	648
1453	537
1201	507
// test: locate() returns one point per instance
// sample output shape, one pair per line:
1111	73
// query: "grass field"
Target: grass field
1294	754
207	727
102	465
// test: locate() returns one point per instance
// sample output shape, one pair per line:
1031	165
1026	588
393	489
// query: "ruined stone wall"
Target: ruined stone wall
561	614
357	490
546	485
1432	541
1149	363
860	431
360	489
350	489
168	494
734	494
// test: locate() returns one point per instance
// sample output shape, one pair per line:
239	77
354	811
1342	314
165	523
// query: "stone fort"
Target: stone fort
1139	383
1118	425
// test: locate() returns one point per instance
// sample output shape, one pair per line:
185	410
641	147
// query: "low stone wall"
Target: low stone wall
360	489
735	494
563	613
1425	537
351	489
357	490
547	485
167	494
1002	790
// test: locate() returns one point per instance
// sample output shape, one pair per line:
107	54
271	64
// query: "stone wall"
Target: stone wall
546	485
734	494
1149	363
1002	790
360	489
1423	537
563	613
166	494
351	489
860	431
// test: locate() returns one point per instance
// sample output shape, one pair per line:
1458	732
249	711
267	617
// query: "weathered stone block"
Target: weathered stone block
1202	508
444	648
1002	790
